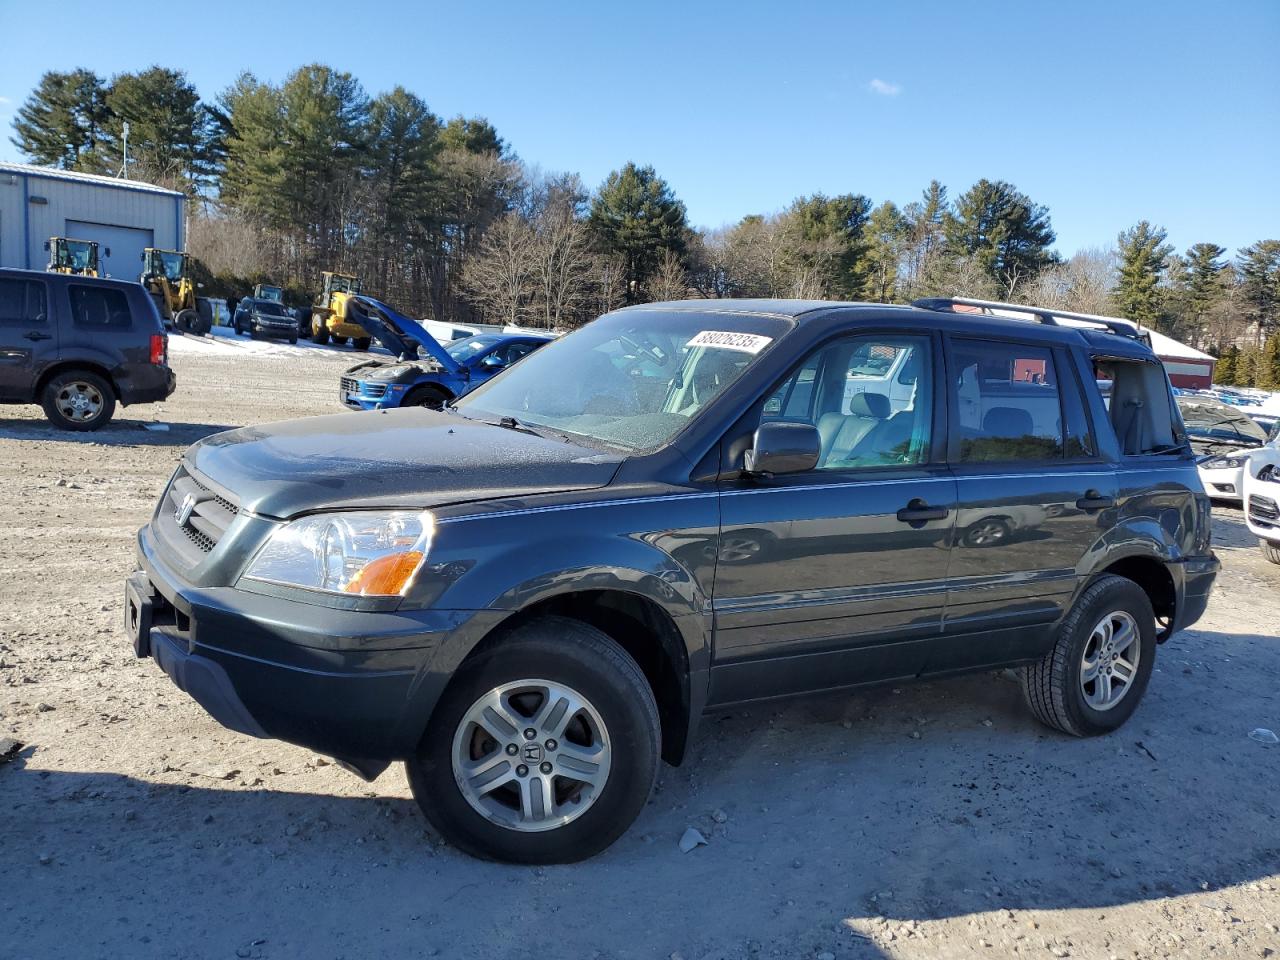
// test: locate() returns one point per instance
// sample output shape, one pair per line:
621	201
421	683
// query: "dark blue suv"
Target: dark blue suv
532	596
434	380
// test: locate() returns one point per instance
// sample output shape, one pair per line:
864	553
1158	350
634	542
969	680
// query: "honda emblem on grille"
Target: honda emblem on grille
183	513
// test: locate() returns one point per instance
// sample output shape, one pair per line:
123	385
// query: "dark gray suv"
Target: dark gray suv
80	345
534	595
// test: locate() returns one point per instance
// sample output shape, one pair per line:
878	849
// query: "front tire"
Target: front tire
427	397
1094	676
319	332
1270	550
78	400
188	321
574	786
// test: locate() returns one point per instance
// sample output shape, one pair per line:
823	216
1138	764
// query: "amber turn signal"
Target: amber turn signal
387	576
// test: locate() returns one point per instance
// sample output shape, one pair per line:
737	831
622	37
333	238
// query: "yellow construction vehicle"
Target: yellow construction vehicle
78	257
167	276
329	318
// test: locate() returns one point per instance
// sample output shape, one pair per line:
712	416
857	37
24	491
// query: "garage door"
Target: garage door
126	243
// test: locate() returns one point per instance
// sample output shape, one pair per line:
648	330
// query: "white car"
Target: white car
1262	500
1223	438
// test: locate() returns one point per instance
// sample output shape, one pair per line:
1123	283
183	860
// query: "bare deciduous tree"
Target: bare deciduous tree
500	277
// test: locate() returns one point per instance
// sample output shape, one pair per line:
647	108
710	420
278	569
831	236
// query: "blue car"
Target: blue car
425	373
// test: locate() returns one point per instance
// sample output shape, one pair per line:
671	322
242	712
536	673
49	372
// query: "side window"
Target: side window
1079	438
98	308
1008	404
870	398
1140	406
23	304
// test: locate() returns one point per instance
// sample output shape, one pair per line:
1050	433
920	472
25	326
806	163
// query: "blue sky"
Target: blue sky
1107	112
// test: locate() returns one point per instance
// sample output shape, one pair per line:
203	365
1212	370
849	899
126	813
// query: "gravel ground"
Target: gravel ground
936	820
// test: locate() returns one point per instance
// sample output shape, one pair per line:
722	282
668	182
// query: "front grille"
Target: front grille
1264	509
210	513
371	390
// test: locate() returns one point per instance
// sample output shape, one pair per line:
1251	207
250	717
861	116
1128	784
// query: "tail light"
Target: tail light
159	349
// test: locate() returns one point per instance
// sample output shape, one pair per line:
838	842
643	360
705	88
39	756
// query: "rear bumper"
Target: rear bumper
1193	580
149	386
352	684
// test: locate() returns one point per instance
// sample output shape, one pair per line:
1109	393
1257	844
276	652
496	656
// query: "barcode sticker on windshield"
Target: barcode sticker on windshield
725	340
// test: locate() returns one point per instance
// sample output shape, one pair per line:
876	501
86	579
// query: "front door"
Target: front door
837	576
28	337
1033	499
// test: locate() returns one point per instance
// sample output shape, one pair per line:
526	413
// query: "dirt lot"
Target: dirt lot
929	821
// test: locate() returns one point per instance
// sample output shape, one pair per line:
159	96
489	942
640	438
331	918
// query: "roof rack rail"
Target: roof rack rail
1045	315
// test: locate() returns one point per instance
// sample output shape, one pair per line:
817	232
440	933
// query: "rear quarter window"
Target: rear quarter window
99	308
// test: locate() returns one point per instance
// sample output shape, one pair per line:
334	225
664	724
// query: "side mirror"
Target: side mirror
46	244
783	447
107	252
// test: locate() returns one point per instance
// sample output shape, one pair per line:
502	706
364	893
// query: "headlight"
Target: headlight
1224	463
368	554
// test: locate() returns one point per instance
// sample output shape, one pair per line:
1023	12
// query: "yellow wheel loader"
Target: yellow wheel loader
329	319
79	257
167	276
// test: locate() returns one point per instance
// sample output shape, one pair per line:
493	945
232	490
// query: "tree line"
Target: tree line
441	217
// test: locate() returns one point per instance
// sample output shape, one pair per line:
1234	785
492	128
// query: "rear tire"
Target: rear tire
78	400
361	343
1270	550
341	341
1110	633
613	719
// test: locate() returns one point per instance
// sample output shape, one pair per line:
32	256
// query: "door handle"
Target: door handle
917	511
1093	500
37	335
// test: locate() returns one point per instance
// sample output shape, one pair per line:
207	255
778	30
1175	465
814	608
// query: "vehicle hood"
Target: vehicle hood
402	335
395	458
1217	446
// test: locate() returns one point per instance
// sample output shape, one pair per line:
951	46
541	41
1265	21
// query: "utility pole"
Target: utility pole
124	167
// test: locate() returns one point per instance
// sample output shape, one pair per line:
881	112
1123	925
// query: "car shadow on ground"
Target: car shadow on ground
117	433
824	819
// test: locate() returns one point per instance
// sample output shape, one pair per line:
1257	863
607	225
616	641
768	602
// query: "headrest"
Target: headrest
875	405
1008	422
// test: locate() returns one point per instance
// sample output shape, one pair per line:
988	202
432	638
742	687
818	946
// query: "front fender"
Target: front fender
498	566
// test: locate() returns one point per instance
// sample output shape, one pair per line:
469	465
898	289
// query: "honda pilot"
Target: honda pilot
79	345
532	596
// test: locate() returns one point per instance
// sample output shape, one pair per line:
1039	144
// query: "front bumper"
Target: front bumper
287	331
1223	483
353	684
383	396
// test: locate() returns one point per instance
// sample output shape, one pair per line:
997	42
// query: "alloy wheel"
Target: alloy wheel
1109	664
531	755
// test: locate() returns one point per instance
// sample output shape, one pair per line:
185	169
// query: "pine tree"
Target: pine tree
1226	371
635	216
887	235
1143	256
1268	376
170	131
61	123
1002	231
1259	267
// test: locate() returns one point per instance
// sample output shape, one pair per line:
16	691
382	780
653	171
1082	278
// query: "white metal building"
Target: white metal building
37	203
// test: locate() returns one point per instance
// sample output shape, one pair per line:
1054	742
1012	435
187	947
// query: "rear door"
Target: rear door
28	336
1033	494
837	576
